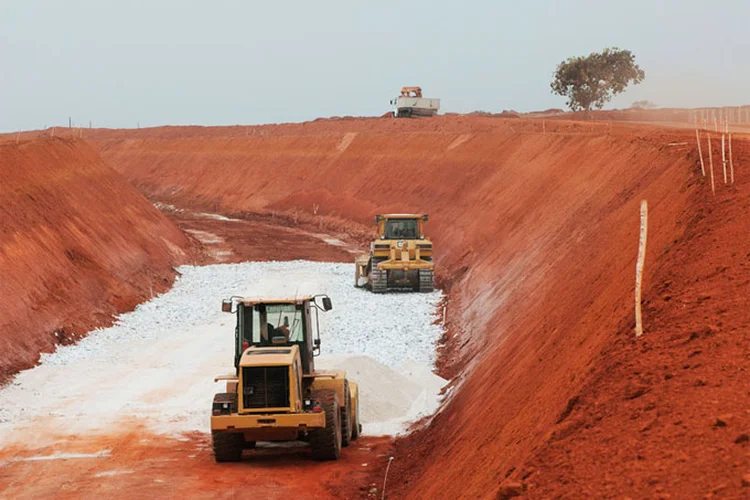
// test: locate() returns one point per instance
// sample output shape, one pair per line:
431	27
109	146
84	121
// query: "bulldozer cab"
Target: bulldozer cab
400	227
277	323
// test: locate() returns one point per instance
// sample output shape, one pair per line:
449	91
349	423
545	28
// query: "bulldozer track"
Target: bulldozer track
379	280
426	280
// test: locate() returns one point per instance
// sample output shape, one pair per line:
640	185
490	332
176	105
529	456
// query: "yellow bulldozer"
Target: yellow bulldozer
400	257
275	393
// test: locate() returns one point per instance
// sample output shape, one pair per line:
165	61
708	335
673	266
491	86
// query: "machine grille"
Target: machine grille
265	387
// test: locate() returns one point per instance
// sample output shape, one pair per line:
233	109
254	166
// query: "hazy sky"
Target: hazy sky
230	61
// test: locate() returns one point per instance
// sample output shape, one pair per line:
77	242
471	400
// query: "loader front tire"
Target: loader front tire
326	442
228	446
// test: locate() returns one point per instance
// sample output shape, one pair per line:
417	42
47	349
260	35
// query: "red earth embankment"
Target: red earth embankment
536	238
668	415
77	245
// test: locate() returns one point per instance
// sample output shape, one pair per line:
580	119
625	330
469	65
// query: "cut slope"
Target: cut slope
77	245
536	237
672	409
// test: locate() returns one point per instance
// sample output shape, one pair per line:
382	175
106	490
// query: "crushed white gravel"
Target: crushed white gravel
156	364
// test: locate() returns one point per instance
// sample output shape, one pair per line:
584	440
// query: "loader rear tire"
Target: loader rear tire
426	281
346	416
326	442
228	446
356	425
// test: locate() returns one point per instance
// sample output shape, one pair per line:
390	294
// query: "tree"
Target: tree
590	82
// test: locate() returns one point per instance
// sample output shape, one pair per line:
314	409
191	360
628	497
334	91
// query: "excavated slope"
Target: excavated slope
536	227
77	245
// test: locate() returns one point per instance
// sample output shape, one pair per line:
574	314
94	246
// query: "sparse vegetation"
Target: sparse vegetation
590	82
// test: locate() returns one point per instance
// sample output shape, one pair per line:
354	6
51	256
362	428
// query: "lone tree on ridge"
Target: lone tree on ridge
590	82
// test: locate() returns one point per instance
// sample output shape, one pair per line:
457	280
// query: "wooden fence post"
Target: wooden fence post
723	158
700	153
639	268
731	160
711	165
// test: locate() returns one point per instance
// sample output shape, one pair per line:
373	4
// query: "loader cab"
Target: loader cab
277	323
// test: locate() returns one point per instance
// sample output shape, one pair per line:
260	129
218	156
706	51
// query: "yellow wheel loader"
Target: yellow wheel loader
400	257
275	393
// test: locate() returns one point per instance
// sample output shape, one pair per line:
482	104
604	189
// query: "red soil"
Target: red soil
680	395
77	245
537	238
259	238
142	465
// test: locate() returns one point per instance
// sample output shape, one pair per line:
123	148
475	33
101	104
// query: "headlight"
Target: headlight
224	404
400	244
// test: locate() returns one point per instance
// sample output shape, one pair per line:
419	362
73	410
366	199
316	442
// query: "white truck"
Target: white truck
411	103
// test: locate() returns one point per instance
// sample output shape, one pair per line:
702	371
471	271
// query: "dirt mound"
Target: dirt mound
536	230
394	396
77	245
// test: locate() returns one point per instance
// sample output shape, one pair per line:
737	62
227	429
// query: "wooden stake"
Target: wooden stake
731	160
711	165
639	268
18	137
700	153
723	158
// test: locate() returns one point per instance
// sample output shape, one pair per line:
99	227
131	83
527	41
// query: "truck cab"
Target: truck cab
411	103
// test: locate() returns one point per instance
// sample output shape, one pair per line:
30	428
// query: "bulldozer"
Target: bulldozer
275	393
400	257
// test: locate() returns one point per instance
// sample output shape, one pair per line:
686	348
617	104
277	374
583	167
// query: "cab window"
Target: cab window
273	324
401	229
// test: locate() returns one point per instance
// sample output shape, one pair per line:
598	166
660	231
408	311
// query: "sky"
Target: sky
140	63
